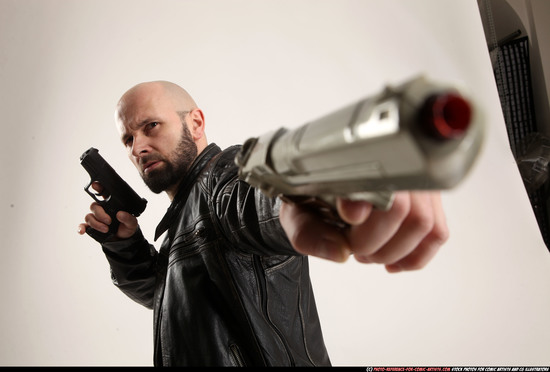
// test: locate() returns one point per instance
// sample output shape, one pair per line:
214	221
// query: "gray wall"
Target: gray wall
252	66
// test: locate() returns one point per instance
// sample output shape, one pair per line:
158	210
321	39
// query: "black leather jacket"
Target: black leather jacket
226	286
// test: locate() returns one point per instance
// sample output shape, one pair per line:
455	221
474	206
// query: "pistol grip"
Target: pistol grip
324	209
113	227
101	236
325	206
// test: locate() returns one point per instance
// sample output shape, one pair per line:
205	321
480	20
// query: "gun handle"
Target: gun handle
325	206
317	205
113	227
100	236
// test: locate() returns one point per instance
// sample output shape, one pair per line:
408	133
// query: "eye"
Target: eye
153	124
128	141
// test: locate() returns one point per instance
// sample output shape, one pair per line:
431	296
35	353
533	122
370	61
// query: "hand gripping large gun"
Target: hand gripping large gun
420	135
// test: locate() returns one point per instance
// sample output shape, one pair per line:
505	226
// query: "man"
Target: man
230	284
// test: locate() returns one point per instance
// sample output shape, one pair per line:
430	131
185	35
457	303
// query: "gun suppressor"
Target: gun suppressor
420	135
116	196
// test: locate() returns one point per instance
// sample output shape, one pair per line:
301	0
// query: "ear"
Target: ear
196	125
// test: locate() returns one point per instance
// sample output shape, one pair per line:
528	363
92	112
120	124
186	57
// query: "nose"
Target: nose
140	146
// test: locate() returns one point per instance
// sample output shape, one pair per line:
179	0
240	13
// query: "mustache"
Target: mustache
149	159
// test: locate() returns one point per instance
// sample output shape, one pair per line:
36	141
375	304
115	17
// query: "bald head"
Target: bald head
153	100
178	98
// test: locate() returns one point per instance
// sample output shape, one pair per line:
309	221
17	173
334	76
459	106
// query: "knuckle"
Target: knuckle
99	213
418	262
414	264
96	208
419	258
89	218
401	208
364	251
386	256
127	219
422	220
440	234
300	239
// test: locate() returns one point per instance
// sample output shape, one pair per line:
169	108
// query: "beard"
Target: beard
175	167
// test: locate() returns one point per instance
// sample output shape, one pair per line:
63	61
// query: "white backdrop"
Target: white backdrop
252	66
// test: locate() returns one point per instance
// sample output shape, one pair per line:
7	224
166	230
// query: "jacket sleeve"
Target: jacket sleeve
133	263
249	218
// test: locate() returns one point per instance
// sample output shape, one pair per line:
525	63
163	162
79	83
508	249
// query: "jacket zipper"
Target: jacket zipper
237	355
263	294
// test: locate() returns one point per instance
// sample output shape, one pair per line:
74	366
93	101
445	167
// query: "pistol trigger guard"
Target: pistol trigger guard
95	195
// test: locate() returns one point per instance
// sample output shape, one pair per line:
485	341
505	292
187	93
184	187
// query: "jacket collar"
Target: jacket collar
181	195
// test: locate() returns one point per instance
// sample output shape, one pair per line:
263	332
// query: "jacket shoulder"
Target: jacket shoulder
222	167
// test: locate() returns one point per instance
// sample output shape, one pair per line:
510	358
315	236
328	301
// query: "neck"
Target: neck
171	193
172	190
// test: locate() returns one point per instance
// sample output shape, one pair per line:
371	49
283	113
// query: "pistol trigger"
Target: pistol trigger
95	195
92	194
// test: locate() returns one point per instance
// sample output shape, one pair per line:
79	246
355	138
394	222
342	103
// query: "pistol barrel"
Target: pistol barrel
417	136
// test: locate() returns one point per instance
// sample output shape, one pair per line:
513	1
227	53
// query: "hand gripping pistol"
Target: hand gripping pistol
420	135
116	195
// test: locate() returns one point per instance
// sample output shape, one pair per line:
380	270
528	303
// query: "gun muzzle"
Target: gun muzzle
446	116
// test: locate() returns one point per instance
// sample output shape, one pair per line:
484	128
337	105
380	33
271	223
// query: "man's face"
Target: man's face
157	138
172	169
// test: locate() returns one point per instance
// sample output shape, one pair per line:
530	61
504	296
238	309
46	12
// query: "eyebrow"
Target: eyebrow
142	123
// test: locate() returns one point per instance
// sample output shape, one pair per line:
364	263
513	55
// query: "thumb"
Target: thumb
128	225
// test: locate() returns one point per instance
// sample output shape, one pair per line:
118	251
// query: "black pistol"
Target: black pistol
116	195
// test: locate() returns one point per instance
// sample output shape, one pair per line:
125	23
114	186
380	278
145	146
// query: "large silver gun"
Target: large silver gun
419	135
